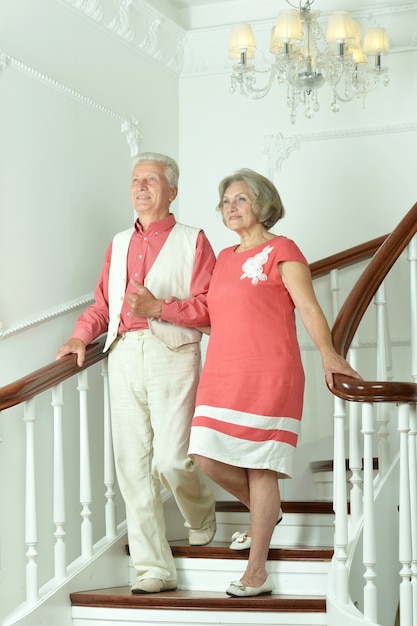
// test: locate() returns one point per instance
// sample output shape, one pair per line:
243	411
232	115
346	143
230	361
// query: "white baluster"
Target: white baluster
340	503
369	540
59	485
412	258
109	471
406	608
85	470
355	446
382	375
31	530
335	289
355	463
412	451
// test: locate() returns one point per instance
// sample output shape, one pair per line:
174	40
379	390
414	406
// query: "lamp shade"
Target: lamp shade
358	55
376	41
357	28
241	40
288	27
275	46
340	27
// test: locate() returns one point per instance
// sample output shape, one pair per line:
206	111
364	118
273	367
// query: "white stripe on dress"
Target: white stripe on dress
251	420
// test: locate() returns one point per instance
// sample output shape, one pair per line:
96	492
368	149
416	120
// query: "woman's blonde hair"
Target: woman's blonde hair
267	206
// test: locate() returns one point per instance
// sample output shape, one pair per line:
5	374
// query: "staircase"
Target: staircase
372	576
299	559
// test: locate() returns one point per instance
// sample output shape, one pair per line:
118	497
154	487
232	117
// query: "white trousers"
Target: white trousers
152	397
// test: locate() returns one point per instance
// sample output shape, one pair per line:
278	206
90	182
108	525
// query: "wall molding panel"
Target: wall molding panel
278	148
130	130
130	127
69	307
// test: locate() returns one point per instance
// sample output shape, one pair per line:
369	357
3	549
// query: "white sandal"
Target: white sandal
242	541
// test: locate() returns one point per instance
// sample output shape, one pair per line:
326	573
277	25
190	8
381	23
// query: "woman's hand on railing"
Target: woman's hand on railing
73	346
334	363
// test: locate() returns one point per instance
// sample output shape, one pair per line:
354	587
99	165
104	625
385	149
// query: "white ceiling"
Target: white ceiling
197	14
188	4
192	14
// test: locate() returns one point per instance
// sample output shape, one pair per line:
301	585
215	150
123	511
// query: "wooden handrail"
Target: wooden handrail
353	309
347	257
373	391
47	377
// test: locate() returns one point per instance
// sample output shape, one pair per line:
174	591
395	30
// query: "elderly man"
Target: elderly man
151	300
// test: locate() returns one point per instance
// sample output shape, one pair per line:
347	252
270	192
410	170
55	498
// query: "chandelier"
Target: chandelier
306	59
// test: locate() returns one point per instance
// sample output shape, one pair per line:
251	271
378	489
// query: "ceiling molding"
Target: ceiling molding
142	27
201	51
206	50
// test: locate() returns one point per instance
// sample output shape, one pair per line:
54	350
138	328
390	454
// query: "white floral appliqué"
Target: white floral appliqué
253	267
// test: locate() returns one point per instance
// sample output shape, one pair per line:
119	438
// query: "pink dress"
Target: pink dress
250	397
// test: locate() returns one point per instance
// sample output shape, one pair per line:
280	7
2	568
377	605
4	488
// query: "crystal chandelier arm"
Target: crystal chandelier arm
302	6
245	77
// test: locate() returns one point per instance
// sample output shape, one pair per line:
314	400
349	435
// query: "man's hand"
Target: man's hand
73	346
143	303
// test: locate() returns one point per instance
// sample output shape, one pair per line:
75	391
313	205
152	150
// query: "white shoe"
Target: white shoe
202	537
238	589
153	585
242	541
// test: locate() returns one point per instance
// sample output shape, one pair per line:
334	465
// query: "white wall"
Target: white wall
351	179
65	164
66	89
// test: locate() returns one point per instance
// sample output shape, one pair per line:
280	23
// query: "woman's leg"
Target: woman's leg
231	478
265	502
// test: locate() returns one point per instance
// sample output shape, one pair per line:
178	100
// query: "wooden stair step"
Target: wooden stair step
122	598
308	506
220	550
199	594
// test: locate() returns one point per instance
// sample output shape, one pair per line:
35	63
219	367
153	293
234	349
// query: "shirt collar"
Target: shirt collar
166	223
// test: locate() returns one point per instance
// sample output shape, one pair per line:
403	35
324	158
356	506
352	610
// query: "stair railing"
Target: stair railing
26	390
377	397
29	393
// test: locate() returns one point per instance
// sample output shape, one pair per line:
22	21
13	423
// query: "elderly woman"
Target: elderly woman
250	397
